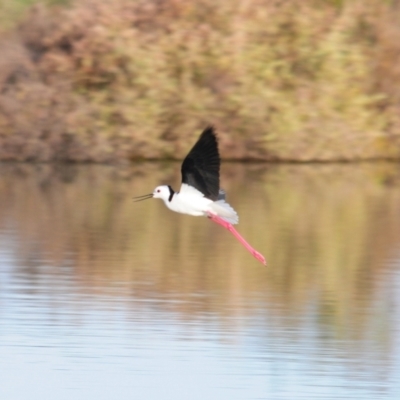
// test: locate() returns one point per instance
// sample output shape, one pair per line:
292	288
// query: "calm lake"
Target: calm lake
104	298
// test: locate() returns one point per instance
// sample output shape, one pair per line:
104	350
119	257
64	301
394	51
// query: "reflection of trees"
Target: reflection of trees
327	232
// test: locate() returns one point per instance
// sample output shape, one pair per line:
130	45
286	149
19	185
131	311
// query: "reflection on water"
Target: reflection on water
104	298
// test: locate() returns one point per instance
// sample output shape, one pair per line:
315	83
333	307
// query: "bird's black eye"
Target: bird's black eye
158	190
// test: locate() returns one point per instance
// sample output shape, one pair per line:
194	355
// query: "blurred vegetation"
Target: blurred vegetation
11	11
281	80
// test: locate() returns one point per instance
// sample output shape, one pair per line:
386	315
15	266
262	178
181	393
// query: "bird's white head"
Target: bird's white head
163	192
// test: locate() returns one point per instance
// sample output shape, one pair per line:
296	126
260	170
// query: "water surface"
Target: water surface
104	298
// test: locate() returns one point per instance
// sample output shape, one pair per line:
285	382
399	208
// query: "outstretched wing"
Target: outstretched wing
200	168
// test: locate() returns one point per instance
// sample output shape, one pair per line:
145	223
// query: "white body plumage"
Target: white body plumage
192	202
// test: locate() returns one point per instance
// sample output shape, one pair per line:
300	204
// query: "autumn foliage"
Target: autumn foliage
130	79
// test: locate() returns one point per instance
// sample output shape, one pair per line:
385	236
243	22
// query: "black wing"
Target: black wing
200	168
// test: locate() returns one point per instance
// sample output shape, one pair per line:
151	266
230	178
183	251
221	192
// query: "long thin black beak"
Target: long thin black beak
144	197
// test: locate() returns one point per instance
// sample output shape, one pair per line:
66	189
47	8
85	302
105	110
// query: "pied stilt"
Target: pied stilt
200	194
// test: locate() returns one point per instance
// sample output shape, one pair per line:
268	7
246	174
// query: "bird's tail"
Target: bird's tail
225	211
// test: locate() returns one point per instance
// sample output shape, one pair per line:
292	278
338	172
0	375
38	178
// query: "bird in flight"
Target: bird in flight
200	194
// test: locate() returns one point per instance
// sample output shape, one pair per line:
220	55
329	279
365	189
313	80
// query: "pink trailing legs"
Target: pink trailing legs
218	220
